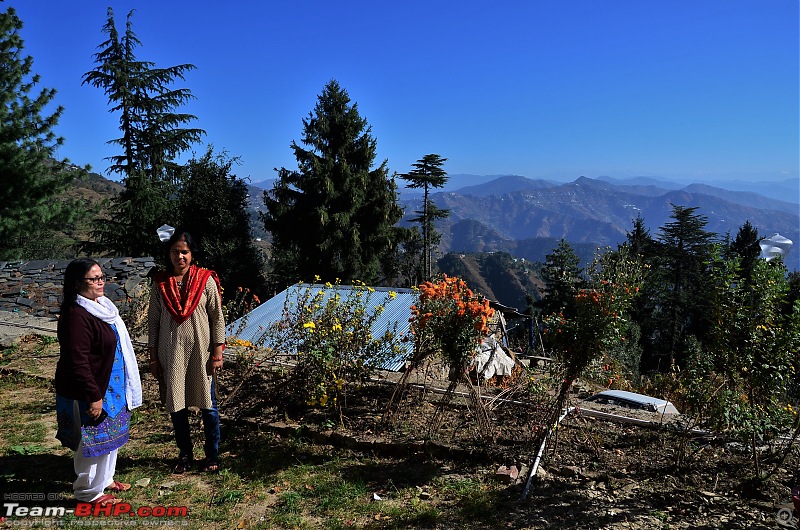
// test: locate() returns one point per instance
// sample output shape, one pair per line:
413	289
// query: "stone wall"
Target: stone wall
35	287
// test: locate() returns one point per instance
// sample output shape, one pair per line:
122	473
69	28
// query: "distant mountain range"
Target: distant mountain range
787	190
527	217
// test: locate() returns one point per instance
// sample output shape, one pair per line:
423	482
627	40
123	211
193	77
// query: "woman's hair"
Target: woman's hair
73	276
180	235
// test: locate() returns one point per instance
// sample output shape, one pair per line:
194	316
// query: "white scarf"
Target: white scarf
105	310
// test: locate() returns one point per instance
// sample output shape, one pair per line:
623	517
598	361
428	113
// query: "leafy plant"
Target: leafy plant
450	320
600	321
243	302
752	354
330	328
47	340
27	449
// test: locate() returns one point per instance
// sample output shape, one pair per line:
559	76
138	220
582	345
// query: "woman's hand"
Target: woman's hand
155	368
214	364
215	360
95	409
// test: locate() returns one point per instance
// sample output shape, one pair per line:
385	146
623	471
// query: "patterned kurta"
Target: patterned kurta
183	350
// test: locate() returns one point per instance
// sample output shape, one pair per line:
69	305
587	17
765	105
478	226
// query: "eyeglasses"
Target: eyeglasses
96	279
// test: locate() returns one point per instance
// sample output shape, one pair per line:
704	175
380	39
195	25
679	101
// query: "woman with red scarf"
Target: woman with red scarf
186	338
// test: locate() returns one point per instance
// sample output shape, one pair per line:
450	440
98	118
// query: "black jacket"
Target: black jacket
87	355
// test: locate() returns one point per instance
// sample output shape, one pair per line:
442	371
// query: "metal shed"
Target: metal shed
251	326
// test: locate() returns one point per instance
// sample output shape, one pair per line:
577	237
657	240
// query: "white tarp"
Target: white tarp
490	359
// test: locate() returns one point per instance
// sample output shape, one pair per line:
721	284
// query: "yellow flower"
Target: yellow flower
316	278
370	289
336	327
328	285
392	294
310	325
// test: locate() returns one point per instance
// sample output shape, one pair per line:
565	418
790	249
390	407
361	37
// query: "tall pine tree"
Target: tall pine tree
153	132
677	291
428	173
333	217
30	177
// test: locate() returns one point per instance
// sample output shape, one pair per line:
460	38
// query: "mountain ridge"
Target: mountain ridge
596	211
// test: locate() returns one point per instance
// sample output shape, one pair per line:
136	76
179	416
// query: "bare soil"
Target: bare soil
594	474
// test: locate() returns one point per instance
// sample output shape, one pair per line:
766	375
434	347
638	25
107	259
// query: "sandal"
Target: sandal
118	486
184	463
104	500
210	466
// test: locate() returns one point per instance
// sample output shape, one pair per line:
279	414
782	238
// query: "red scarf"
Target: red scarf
181	305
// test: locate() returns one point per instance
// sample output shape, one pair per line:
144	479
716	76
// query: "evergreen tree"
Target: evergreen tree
638	239
30	177
153	135
428	173
562	278
747	249
333	217
213	207
642	248
402	266
677	293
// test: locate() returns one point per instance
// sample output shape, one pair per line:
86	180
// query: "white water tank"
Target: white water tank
772	247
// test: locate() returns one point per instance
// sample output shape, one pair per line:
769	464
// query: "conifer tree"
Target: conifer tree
677	291
153	134
212	202
333	217
638	240
563	279
746	248
428	173
30	177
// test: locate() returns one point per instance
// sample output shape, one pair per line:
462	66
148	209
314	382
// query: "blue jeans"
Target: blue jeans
183	438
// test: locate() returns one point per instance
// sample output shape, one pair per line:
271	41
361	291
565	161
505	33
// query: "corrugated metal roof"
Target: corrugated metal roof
252	326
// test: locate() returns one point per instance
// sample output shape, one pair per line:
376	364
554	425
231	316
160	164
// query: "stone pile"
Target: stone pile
35	287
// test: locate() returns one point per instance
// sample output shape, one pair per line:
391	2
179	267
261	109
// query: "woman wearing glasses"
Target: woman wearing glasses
97	382
186	336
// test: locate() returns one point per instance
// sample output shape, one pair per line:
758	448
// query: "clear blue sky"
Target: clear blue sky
695	90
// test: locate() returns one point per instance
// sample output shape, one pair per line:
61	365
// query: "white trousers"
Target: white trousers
95	473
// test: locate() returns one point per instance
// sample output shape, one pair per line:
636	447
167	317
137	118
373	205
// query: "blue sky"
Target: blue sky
697	90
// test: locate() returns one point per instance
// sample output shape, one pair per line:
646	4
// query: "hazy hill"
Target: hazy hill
505	184
94	189
596	213
746	198
785	190
499	276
